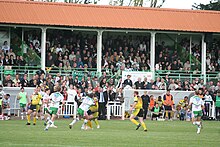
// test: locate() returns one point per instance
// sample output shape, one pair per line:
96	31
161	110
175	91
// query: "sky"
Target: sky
179	4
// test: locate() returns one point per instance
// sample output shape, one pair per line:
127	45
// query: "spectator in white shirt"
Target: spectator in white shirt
36	41
59	49
71	94
5	47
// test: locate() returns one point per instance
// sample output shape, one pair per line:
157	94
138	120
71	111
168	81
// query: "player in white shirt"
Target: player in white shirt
46	101
197	105
55	99
87	102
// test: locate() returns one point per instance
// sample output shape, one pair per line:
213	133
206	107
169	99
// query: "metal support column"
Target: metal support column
152	53
43	48
99	52
204	58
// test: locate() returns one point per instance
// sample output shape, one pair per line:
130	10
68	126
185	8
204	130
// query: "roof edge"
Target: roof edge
108	6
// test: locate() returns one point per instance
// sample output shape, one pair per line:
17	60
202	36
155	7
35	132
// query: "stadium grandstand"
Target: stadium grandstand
100	47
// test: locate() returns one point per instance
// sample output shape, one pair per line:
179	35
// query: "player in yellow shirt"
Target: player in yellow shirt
93	110
137	111
34	102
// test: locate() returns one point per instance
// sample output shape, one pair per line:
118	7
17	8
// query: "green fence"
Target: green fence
84	73
187	75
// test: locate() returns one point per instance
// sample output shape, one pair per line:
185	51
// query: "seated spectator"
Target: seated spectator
182	107
159	101
7	82
21	61
162	85
6	61
59	49
16	81
156	112
67	68
173	85
187	65
11	53
12	60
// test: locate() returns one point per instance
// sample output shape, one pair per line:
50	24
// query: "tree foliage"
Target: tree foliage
213	5
82	1
137	3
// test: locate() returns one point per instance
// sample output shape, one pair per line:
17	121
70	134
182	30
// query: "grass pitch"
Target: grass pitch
14	133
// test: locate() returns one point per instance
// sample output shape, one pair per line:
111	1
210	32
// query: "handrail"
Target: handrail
84	72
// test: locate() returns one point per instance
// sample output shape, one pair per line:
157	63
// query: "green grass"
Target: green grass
115	133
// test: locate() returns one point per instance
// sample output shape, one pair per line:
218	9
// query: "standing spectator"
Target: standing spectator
144	83
35	41
138	84
5	47
2	94
152	102
168	104
128	81
217	106
102	97
119	95
146	101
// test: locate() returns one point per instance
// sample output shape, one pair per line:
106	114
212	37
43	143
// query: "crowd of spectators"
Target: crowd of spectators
112	90
130	53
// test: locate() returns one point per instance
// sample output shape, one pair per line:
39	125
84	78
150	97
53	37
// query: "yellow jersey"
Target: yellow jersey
95	107
35	100
139	102
182	103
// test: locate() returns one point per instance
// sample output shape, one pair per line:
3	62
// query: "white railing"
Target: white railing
68	109
116	109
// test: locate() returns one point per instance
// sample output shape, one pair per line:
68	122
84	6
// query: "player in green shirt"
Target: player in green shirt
23	100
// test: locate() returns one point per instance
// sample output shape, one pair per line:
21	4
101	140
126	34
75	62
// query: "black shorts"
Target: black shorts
140	114
89	112
167	108
33	107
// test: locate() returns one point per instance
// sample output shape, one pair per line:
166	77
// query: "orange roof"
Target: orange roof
62	14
